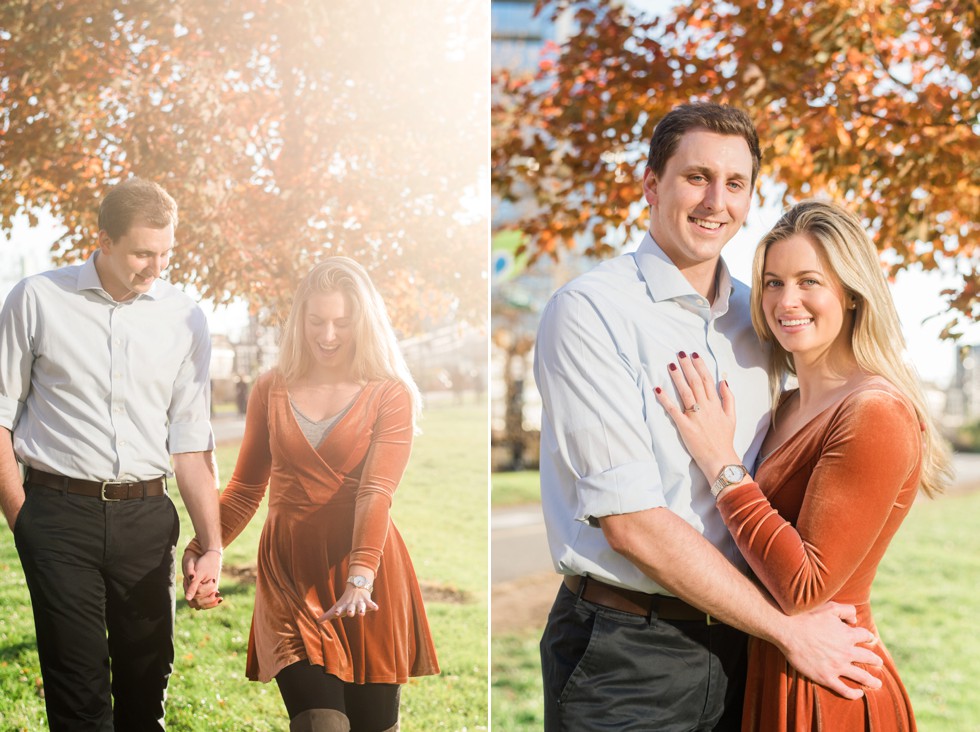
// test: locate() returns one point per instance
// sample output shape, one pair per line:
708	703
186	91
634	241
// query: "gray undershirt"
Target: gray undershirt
316	432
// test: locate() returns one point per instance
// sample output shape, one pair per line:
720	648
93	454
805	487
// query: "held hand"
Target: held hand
201	575
825	648
354	601
705	418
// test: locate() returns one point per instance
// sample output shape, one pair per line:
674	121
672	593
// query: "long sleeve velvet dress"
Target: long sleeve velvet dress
814	527
329	508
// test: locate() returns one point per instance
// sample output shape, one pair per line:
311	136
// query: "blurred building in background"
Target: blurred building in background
517	292
961	415
963	397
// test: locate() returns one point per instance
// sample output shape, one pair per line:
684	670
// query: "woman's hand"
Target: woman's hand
354	601
705	417
202	594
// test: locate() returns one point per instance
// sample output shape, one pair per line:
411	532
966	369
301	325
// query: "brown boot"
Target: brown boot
320	720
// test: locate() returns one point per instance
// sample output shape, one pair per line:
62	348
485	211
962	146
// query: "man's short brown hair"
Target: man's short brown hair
719	118
136	202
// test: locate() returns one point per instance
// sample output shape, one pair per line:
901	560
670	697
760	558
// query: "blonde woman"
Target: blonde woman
845	455
338	619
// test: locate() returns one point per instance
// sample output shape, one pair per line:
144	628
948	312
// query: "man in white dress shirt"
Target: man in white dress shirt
104	379
648	629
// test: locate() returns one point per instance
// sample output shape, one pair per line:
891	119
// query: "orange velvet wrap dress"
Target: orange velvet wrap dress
814	526
329	508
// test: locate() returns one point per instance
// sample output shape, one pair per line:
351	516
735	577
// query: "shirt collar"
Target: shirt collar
88	279
665	281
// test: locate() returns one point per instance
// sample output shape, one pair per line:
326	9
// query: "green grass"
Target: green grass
925	603
516	701
514	489
440	509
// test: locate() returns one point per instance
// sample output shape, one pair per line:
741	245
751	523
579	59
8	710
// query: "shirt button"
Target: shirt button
117	341
122	443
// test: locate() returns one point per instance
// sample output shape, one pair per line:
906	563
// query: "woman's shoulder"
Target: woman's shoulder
266	381
879	403
388	389
877	390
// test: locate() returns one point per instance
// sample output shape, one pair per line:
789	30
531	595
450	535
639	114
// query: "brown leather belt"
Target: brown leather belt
634	602
107	490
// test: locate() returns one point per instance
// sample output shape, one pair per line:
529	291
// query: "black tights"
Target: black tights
369	707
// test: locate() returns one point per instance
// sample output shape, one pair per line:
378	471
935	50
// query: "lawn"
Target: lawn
925	602
516	488
440	509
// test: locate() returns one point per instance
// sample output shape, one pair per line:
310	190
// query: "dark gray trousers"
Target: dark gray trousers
608	670
101	578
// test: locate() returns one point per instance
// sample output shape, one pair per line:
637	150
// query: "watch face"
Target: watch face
358	581
733	473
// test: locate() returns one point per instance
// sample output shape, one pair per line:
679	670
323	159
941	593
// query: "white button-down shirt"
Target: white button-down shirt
103	390
607	446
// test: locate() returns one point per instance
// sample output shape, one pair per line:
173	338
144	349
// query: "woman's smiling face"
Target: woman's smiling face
328	329
805	305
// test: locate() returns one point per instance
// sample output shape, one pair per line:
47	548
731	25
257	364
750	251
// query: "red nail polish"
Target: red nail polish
694	355
682	355
673	367
657	389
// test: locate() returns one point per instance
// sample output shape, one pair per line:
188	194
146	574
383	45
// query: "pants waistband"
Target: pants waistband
635	602
107	490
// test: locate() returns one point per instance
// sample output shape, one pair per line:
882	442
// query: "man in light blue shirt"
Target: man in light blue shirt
104	381
648	629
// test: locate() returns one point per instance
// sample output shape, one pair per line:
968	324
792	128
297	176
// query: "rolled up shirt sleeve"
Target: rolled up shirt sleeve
596	405
17	323
190	406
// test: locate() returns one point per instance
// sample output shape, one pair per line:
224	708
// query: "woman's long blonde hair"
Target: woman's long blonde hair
376	351
876	338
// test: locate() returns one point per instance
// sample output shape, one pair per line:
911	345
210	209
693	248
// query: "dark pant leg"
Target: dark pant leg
608	670
60	541
372	707
730	647
140	569
369	707
304	686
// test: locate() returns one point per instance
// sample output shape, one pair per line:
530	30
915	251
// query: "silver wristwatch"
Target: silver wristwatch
360	582
729	475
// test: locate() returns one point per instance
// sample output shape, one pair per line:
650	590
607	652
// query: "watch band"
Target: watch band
729	475
361	582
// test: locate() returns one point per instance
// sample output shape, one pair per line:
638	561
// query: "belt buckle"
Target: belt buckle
102	494
712	621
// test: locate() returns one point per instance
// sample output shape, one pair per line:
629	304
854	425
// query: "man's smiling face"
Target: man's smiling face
701	199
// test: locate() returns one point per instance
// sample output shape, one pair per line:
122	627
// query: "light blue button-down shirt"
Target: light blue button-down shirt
103	390
607	446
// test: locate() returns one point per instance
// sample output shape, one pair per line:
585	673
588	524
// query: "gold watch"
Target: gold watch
729	475
361	582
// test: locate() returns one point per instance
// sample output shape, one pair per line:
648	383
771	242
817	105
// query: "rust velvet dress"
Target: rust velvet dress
813	527
329	508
